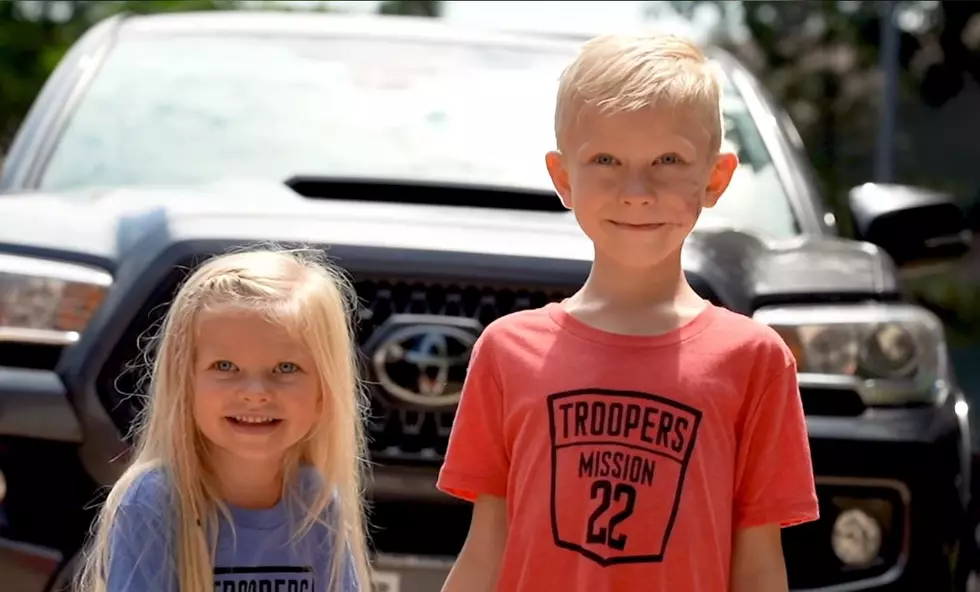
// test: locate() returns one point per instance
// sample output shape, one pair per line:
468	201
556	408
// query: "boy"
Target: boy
634	436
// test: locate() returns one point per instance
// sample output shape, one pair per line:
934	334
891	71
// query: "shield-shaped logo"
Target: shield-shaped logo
618	464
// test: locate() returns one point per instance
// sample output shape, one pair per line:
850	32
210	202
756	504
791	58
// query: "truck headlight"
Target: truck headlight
44	301
892	353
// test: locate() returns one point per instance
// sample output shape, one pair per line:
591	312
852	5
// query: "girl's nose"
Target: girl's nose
256	389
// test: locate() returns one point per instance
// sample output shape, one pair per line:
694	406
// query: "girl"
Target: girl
247	468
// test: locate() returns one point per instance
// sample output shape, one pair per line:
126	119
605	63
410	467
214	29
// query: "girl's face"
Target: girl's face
256	393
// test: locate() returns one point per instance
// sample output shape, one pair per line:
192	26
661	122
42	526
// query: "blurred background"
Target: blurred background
879	90
887	92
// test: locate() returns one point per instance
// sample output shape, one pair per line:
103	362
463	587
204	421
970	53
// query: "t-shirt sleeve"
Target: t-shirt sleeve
773	472
476	460
138	557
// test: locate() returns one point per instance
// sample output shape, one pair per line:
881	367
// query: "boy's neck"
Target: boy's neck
632	300
251	484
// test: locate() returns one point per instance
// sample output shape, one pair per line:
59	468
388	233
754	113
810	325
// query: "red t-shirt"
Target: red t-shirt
628	461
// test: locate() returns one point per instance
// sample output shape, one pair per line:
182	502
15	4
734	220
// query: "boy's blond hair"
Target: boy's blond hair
619	73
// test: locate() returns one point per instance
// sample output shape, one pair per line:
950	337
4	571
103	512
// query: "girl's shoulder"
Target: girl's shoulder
310	486
148	491
309	482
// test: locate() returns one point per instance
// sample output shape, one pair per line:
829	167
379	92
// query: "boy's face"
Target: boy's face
637	181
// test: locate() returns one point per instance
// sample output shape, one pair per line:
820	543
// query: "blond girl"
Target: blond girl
246	474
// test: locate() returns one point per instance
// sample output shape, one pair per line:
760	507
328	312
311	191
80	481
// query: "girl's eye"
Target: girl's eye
668	159
223	366
603	160
286	368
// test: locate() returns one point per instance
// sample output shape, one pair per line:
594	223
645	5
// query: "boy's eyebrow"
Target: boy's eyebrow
589	146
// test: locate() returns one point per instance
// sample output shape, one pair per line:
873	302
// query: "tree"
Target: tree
820	60
430	8
35	34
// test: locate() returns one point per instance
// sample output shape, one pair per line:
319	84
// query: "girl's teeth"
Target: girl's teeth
241	419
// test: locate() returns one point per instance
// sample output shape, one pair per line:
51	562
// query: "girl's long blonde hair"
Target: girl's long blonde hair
317	303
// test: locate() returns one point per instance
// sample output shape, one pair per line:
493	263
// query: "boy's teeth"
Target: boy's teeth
242	419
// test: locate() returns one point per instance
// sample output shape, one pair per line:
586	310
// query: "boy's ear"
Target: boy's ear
559	177
720	177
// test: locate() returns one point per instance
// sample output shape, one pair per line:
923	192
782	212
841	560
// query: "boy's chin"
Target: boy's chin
638	257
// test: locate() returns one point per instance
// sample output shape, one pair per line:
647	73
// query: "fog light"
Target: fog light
856	538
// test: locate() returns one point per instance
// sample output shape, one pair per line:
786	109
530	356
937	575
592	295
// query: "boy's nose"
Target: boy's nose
637	192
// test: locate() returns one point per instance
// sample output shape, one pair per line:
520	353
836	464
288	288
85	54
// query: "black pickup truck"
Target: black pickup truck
412	151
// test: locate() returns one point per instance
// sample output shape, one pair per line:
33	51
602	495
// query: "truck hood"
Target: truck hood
104	229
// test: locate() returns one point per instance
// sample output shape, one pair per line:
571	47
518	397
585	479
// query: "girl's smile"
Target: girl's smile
256	391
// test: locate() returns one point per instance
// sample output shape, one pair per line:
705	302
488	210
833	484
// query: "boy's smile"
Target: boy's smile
637	180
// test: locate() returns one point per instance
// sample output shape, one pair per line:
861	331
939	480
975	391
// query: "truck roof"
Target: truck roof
316	24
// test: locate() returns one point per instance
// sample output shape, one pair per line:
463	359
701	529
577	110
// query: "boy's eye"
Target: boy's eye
668	159
224	366
604	159
286	368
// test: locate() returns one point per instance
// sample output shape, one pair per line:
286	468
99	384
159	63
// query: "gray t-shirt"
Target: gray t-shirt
259	555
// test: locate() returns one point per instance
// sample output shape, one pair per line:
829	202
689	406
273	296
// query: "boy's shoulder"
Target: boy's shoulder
520	330
741	332
521	323
721	333
741	329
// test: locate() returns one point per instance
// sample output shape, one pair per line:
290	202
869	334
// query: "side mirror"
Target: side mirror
912	224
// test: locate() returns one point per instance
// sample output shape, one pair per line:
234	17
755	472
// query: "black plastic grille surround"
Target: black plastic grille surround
405	432
399	432
810	558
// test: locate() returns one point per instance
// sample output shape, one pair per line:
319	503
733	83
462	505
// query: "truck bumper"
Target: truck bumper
909	469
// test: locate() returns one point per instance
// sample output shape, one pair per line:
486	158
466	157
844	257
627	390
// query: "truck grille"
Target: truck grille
399	432
403	431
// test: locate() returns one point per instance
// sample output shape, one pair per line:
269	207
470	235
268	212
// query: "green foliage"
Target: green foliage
430	8
35	36
820	60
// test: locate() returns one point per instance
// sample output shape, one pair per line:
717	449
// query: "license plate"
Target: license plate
387	581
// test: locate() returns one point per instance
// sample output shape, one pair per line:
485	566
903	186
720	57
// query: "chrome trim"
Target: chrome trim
34	267
37	336
409	573
406	484
56	270
400	561
876	392
893	573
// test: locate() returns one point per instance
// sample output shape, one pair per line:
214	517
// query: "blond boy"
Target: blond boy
634	436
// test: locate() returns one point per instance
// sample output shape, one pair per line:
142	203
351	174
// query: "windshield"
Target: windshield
193	109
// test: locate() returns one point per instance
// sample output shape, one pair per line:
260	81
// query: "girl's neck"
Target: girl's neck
252	484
